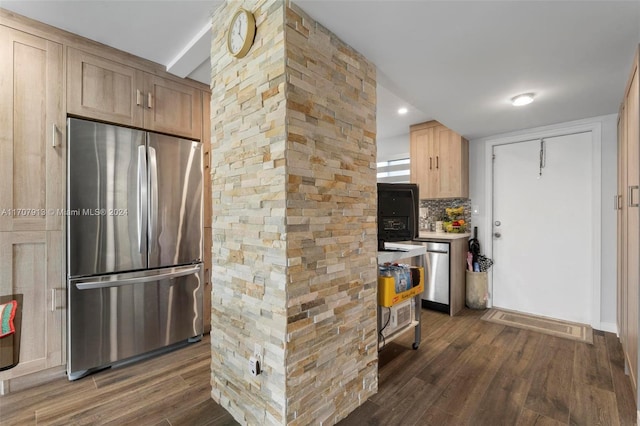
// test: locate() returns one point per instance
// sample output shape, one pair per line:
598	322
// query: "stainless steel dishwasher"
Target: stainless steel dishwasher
436	286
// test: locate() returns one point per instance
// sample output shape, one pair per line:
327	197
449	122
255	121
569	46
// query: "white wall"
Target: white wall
394	148
477	184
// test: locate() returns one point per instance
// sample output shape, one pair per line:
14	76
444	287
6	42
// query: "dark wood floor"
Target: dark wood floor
471	372
171	389
466	371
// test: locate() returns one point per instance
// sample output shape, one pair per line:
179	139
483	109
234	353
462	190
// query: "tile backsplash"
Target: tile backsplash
433	210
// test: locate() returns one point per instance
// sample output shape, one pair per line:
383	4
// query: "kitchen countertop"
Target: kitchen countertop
426	235
400	251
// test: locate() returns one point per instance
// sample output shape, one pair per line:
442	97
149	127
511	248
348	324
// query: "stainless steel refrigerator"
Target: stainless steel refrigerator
134	244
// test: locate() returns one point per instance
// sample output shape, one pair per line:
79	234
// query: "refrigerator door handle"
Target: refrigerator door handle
172	273
142	194
153	199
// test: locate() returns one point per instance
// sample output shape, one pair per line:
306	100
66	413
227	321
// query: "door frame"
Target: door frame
596	199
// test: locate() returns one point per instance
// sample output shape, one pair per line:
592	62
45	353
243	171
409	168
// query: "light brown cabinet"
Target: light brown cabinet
32	132
110	91
32	146
34	261
206	161
439	161
629	223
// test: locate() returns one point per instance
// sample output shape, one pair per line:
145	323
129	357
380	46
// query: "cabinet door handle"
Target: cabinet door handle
54	136
437	162
138	97
630	196
53	300
149	101
619	202
430	168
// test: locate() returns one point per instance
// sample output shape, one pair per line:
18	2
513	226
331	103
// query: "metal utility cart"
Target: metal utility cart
401	310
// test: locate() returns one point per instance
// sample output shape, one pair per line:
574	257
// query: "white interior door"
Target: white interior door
542	227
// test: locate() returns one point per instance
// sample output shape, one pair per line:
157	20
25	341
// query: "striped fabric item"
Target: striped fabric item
7	313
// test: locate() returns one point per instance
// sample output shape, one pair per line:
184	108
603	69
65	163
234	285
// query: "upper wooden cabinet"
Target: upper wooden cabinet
32	133
439	161
102	89
172	107
110	91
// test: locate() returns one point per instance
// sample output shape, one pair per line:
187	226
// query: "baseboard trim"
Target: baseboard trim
16	384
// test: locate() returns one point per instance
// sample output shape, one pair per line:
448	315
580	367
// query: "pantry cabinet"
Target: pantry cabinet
629	223
32	132
208	212
439	161
32	153
110	91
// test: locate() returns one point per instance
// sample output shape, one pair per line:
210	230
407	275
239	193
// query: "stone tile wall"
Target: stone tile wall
331	224
248	109
294	226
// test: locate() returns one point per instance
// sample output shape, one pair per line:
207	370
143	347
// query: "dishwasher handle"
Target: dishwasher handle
437	251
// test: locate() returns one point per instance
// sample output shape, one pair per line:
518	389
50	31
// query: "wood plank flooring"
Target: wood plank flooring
471	372
466	372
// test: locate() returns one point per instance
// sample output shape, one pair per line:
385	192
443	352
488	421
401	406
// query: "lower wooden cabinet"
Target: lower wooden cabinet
206	299
31	264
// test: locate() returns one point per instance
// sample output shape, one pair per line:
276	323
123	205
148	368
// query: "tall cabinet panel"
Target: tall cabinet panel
31	132
629	224
633	224
32	151
208	213
622	226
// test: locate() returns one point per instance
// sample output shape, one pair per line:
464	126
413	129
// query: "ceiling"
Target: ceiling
458	62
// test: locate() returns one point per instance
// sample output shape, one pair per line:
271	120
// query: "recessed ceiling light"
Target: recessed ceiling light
524	99
403	110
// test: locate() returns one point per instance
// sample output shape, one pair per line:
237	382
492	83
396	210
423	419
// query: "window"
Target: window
394	171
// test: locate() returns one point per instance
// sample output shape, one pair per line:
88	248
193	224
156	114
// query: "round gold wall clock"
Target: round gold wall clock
242	30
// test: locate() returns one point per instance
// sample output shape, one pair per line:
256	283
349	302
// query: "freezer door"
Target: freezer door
106	217
116	317
175	201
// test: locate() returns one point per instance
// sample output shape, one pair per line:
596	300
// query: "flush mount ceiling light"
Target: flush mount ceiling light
402	110
523	99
